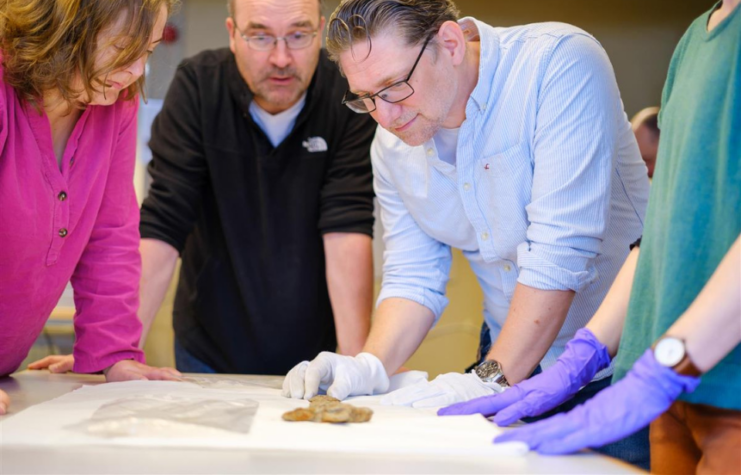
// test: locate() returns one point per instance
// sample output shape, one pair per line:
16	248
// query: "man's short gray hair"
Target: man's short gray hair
230	7
360	20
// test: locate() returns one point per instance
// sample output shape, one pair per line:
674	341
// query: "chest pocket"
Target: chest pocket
504	182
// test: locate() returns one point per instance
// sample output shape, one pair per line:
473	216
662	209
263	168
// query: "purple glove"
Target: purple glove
583	357
614	413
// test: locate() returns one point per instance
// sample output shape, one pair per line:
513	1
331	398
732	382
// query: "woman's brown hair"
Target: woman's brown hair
47	44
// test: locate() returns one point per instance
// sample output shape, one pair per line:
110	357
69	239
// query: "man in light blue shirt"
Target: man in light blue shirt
510	144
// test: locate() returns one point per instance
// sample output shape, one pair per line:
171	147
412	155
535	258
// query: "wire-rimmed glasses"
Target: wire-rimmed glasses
263	42
396	92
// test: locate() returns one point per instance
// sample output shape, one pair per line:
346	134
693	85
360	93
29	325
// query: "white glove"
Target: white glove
341	376
444	390
407	378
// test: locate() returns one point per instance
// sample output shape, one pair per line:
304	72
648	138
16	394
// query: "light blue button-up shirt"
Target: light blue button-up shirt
548	187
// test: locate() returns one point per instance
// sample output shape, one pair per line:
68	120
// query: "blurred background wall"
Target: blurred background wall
638	35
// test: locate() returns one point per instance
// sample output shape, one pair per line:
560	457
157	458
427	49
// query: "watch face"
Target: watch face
487	369
669	351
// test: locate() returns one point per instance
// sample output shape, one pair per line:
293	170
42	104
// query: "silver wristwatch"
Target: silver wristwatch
490	371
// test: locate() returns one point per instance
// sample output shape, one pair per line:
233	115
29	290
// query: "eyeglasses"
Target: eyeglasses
392	94
261	42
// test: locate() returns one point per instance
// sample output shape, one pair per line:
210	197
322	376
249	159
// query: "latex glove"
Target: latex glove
583	357
613	414
4	402
129	370
55	363
341	376
442	391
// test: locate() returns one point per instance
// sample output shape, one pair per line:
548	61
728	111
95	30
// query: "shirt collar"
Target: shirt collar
488	61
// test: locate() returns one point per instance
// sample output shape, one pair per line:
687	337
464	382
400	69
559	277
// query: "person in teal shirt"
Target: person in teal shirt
676	302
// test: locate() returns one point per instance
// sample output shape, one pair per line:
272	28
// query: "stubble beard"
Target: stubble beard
422	131
280	96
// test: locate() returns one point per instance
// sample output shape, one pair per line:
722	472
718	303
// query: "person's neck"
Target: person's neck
62	119
58	111
469	78
726	8
274	109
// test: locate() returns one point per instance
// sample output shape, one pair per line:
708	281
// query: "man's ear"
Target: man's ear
452	41
232	37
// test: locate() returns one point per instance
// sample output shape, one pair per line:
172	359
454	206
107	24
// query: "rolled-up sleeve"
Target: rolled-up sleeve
106	279
574	151
415	266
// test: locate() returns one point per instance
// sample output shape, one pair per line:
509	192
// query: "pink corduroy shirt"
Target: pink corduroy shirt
79	223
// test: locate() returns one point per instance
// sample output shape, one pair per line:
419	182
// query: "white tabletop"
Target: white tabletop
33	387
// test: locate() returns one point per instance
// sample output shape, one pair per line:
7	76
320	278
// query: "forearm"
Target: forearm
158	264
349	263
535	317
711	326
607	323
399	327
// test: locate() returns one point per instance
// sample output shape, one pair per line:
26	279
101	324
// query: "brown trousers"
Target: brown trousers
694	438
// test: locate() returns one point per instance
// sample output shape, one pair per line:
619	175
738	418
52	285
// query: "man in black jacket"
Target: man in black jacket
262	184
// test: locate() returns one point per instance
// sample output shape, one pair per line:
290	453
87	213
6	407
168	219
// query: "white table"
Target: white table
33	387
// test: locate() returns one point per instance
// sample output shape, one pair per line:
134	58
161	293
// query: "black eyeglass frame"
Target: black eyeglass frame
247	39
346	100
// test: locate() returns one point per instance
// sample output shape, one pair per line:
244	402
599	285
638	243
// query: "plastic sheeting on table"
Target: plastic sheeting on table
167	416
400	430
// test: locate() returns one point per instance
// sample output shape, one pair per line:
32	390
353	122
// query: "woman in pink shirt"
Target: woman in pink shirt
69	83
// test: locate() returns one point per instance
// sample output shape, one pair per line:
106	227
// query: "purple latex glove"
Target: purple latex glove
613	414
583	357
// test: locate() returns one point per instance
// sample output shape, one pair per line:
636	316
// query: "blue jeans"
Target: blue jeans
185	362
633	449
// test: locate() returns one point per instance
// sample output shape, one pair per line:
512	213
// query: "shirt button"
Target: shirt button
63	232
484	236
507	267
430	152
62	196
466	186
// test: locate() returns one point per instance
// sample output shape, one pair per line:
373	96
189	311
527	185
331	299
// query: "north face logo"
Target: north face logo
315	144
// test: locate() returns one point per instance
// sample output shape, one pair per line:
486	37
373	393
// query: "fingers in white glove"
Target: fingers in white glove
293	384
342	385
319	371
410	394
444	390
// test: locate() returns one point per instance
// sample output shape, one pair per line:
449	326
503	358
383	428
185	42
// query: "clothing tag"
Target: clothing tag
315	144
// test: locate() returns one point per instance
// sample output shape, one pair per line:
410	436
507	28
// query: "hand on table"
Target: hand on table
583	357
341	376
613	414
4	402
444	390
129	370
55	363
